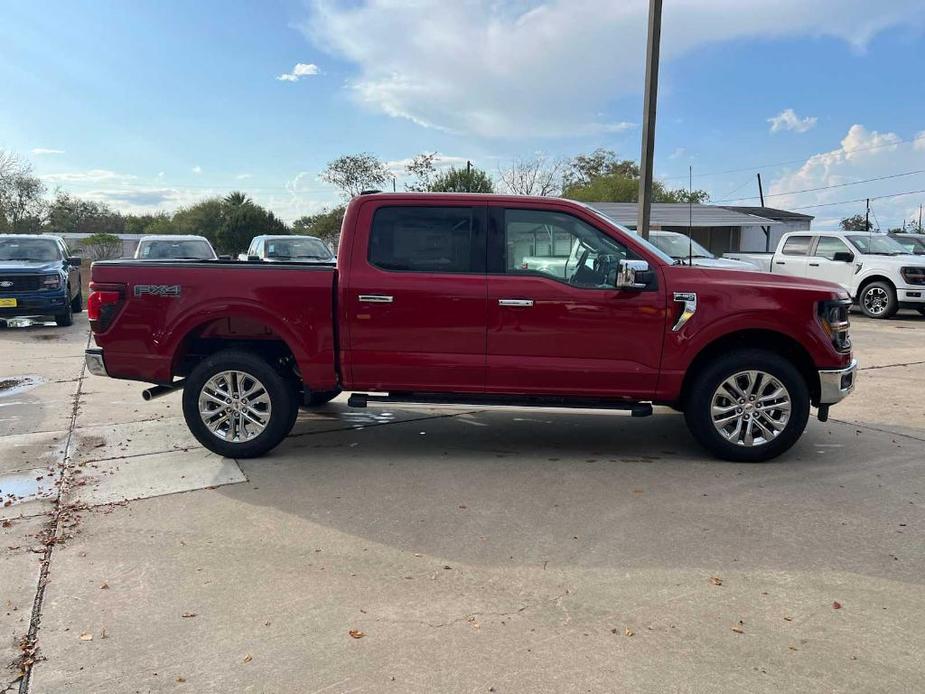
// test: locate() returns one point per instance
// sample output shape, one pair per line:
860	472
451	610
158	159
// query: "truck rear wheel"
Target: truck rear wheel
748	406
237	405
878	300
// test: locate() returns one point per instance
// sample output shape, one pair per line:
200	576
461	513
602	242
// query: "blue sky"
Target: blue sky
152	105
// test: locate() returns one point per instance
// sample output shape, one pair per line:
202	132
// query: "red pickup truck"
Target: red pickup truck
476	299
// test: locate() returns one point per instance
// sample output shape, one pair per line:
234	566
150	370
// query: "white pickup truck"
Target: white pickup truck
878	272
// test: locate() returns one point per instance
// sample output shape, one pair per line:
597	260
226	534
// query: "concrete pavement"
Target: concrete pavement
505	550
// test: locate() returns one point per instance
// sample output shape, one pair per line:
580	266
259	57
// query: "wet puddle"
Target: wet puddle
26	485
13	385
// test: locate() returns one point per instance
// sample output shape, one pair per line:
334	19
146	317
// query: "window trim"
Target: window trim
477	250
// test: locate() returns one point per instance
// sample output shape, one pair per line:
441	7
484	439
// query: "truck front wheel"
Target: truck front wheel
237	405
878	300
748	406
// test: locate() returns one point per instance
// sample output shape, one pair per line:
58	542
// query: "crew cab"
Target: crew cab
879	273
430	303
39	277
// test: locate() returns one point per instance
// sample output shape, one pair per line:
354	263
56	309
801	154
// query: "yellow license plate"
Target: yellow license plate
7	303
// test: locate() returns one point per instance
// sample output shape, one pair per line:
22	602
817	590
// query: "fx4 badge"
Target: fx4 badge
688	300
170	290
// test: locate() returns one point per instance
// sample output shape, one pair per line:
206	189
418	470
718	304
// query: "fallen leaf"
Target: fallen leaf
738	630
181	679
248	658
86	636
104	586
836	605
716	580
356	634
792	648
628	631
187	615
103	634
788	619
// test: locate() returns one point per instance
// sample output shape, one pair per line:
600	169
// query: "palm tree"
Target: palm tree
236	199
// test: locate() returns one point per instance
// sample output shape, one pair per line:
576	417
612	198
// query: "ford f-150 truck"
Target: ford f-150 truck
39	277
430	302
879	273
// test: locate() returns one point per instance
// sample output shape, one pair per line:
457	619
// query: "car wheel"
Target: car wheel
878	300
319	398
749	406
67	318
237	405
77	305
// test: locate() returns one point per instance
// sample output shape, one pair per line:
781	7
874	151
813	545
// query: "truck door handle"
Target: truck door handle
375	299
523	303
779	262
814	264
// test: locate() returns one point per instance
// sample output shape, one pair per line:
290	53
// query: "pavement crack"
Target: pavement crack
872	428
60	516
891	366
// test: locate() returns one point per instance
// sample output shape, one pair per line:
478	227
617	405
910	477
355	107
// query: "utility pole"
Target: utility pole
765	229
867	217
648	118
920	219
468	176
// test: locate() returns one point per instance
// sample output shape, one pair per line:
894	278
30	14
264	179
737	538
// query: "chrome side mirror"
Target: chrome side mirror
632	274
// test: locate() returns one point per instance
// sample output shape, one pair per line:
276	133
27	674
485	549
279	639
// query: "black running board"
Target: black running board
637	409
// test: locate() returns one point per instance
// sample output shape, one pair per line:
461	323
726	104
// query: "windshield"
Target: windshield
679	246
655	250
876	244
911	244
294	248
29	249
189	249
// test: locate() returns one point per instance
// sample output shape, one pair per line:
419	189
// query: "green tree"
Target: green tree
423	171
203	218
857	222
102	246
69	214
148	223
354	173
325	225
467	180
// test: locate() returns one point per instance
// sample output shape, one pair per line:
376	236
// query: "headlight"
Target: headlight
51	282
913	275
833	317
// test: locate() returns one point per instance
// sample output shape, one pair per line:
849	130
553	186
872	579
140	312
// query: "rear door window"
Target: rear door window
797	245
428	239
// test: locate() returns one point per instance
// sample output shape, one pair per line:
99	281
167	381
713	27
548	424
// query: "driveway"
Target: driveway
456	550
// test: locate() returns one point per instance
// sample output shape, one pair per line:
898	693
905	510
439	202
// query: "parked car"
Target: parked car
430	303
879	273
39	277
288	248
687	251
913	243
170	247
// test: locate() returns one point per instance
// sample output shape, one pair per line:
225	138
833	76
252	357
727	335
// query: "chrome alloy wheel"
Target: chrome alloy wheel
235	406
750	408
876	300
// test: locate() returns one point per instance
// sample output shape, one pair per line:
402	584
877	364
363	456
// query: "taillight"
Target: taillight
103	304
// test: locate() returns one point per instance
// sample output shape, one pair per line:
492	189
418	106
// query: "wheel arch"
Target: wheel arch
870	279
770	340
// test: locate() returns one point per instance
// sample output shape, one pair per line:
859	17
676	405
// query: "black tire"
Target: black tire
699	402
321	397
77	305
67	318
878	300
279	388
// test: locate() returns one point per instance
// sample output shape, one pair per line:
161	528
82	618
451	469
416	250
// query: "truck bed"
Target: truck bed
169	304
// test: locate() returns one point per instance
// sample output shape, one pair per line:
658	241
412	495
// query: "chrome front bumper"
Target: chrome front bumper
836	384
95	363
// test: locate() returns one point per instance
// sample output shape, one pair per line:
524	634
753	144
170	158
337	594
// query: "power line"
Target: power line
835	185
848	202
892	143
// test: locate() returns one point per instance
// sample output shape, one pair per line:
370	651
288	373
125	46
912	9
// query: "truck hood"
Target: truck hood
897	261
721	263
29	267
754	278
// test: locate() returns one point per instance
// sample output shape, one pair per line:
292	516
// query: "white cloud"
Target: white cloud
90	176
300	70
197	169
40	151
679	153
789	120
863	155
532	67
244	176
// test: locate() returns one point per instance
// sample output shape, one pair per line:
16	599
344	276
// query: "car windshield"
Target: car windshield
655	250
911	244
876	244
679	246
29	249
296	248
189	249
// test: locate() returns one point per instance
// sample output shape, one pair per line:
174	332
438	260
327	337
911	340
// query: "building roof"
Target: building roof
771	213
680	214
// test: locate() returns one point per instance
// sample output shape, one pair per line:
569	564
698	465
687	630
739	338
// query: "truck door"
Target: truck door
413	299
823	265
792	257
571	333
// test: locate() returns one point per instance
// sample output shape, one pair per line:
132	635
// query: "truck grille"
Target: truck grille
19	283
